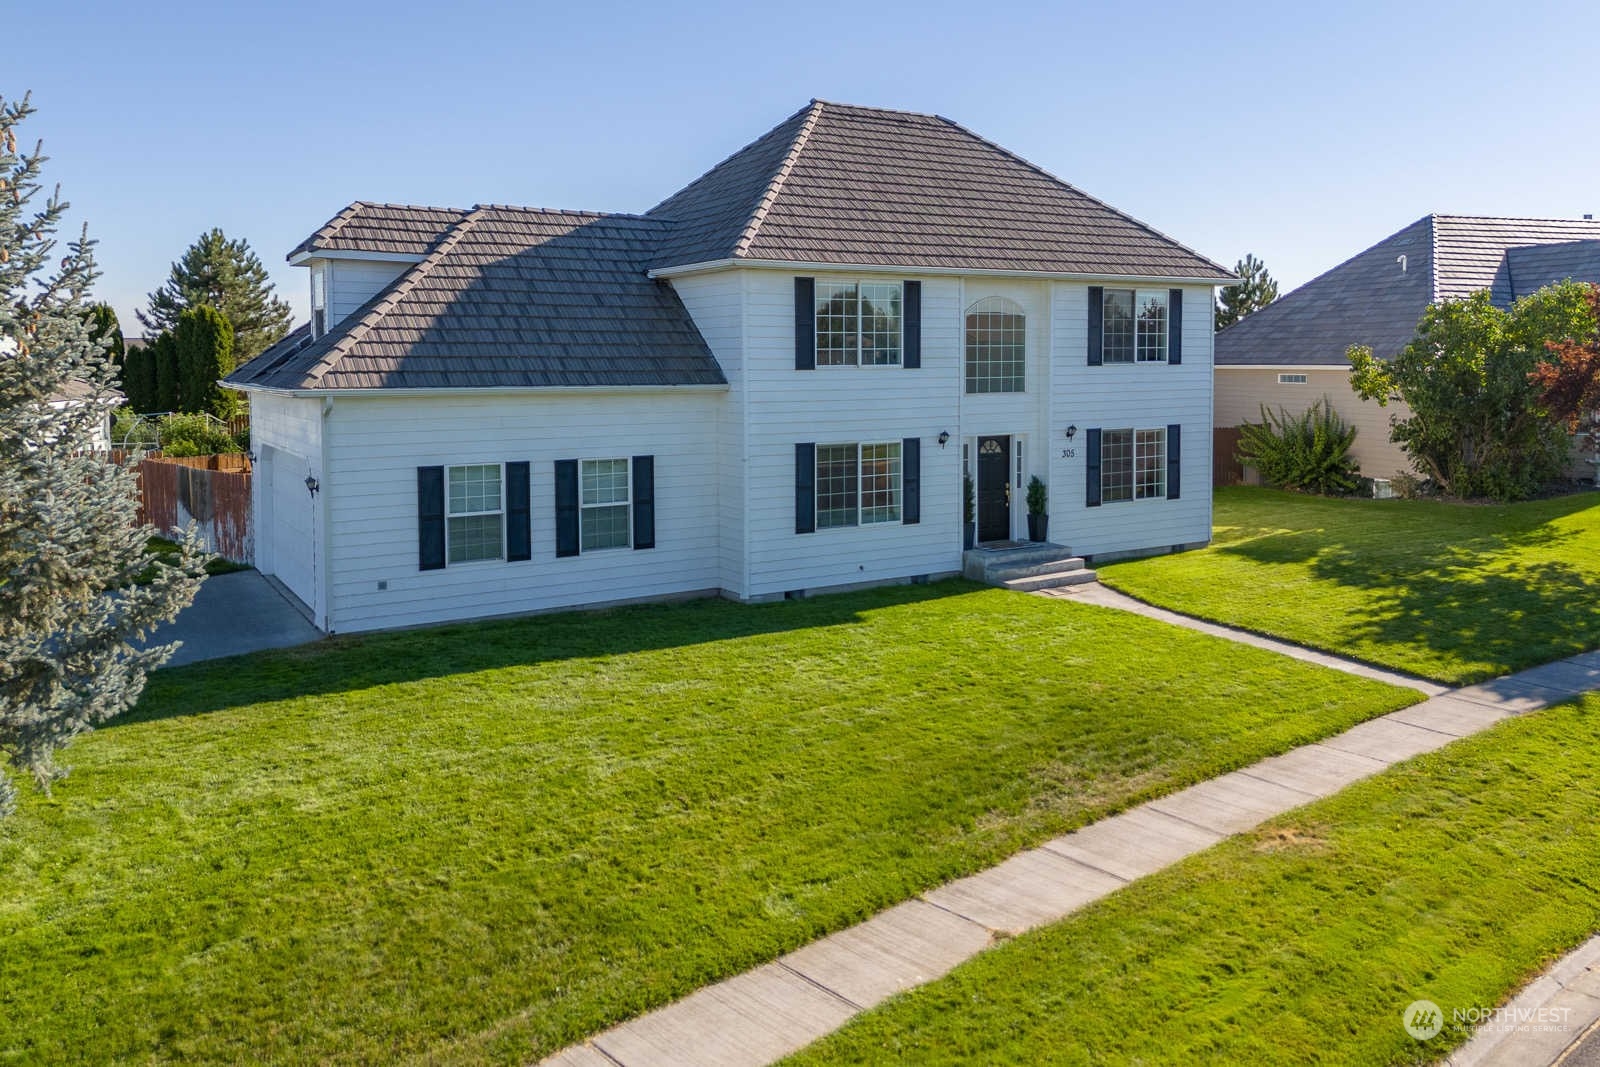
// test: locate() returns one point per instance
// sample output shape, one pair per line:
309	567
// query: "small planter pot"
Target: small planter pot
969	536
1038	527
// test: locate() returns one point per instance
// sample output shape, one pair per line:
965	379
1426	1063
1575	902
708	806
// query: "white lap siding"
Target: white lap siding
286	435
1122	396
352	282
843	405
376	445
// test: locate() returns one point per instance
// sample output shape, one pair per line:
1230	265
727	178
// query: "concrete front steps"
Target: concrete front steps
1025	567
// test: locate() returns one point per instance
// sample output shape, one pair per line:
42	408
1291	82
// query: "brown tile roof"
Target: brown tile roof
397	228
510	297
841	184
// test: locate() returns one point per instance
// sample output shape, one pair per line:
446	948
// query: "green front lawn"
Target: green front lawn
480	843
1453	592
1453	878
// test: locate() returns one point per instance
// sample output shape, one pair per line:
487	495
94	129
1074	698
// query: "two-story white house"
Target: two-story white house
775	382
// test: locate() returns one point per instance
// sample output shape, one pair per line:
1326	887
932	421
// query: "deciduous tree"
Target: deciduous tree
1568	379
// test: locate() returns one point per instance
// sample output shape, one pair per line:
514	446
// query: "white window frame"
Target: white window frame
627	470
992	305
449	475
1138	451
817	303
1293	379
1140	296
898	489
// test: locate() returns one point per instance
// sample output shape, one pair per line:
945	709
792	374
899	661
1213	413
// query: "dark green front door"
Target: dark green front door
994	488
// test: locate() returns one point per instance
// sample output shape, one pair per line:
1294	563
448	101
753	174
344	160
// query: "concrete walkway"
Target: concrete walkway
1102	596
765	1014
1554	1020
234	614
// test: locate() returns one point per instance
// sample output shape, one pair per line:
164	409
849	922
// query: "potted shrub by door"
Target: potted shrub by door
1038	514
969	536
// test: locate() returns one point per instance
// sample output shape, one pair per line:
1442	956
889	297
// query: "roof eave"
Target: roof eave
301	257
476	390
730	263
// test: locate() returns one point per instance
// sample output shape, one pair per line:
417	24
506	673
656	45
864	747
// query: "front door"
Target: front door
994	488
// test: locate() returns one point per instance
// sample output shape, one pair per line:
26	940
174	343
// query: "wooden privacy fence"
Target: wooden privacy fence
1225	466
213	492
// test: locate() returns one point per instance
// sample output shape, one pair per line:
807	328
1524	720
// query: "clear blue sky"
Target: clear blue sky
1300	132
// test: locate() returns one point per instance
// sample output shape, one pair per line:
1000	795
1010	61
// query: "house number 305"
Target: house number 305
1069	453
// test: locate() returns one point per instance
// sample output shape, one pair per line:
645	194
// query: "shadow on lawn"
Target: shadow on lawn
1471	598
347	663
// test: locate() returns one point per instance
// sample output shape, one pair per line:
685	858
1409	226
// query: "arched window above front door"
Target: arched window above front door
997	346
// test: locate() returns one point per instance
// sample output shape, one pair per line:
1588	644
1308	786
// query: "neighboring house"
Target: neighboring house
769	384
1292	352
73	394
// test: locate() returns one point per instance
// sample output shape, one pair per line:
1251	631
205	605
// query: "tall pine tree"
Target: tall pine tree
204	342
228	276
1255	291
78	585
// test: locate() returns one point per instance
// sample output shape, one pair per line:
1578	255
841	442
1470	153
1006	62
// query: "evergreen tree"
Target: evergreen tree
139	379
73	597
204	343
228	276
165	376
1256	289
107	332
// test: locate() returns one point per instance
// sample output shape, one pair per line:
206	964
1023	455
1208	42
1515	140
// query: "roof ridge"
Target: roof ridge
407	281
1140	223
335	224
880	110
775	186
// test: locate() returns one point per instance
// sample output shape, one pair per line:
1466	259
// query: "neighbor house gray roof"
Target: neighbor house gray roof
510	297
863	186
1375	298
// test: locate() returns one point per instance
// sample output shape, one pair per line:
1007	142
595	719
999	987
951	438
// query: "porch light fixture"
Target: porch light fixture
1072	431
312	485
944	438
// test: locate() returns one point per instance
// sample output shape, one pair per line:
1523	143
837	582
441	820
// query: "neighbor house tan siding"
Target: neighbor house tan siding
1241	391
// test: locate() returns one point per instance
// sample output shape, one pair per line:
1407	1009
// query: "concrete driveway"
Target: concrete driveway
233	614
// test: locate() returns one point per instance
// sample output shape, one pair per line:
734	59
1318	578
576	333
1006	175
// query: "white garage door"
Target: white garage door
289	519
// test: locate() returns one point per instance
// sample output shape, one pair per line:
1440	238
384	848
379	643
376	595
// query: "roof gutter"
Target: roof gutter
878	268
474	390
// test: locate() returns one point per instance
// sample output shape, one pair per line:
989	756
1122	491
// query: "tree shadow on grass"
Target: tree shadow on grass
360	661
1473	598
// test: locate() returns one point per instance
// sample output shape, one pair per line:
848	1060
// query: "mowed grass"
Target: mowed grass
480	843
1453	592
1455	878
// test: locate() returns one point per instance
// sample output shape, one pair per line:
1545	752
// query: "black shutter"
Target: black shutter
1097	310
1175	326
430	518
805	488
519	513
805	324
1174	452
566	507
911	325
911	481
644	501
1091	474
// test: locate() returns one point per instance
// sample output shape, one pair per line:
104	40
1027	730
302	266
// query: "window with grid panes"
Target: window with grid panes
996	346
858	323
474	526
603	511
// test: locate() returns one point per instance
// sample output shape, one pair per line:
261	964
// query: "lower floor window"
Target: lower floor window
475	529
1133	464
858	484
603	519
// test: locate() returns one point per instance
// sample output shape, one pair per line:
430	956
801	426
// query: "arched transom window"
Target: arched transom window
997	347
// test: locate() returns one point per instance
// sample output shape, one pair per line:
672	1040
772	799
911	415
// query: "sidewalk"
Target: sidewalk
765	1014
1552	1021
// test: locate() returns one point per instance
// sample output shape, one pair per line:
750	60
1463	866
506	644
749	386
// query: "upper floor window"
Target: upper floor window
1134	326
319	301
858	324
474	530
996	346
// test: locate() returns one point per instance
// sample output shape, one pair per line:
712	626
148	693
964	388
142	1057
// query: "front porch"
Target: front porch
1025	565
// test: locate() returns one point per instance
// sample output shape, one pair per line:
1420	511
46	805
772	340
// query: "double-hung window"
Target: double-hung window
1134	326
1133	464
475	519
858	324
858	484
604	514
